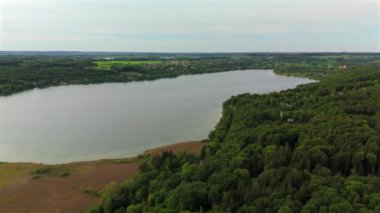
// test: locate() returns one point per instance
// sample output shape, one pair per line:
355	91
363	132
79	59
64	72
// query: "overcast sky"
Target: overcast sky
190	25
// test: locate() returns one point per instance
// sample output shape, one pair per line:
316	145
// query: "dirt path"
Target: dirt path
27	192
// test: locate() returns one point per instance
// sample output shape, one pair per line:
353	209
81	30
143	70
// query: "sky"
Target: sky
190	25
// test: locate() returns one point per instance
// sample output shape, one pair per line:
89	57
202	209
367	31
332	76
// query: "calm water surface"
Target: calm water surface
87	122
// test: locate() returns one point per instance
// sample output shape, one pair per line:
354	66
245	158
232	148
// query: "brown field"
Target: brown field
63	187
193	147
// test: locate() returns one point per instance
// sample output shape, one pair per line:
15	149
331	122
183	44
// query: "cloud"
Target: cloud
202	25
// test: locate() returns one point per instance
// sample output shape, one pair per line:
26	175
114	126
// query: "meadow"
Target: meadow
107	65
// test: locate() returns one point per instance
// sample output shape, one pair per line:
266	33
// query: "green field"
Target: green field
106	65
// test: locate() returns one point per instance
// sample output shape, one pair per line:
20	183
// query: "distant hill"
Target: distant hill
41	53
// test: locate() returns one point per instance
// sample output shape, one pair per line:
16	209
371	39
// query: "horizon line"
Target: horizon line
180	52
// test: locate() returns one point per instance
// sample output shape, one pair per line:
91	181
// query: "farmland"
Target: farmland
107	65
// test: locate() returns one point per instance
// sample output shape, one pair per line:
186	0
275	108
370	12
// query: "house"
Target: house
290	120
342	67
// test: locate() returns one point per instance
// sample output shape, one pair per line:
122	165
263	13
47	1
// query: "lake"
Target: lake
112	120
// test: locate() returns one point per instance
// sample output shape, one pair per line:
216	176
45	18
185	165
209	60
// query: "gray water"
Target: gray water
111	120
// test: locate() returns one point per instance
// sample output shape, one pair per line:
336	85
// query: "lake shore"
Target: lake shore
72	123
71	187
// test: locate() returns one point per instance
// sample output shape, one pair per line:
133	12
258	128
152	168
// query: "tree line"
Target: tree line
23	72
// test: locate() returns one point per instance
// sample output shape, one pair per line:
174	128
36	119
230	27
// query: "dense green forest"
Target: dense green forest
315	148
23	71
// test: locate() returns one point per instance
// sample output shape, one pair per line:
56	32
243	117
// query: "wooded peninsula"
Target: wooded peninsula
315	148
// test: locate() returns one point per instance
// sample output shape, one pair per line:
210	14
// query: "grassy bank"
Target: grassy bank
71	187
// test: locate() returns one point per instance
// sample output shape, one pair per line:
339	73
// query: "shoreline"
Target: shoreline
70	187
126	82
175	147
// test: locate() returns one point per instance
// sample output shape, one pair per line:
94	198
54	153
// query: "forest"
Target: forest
314	148
23	71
